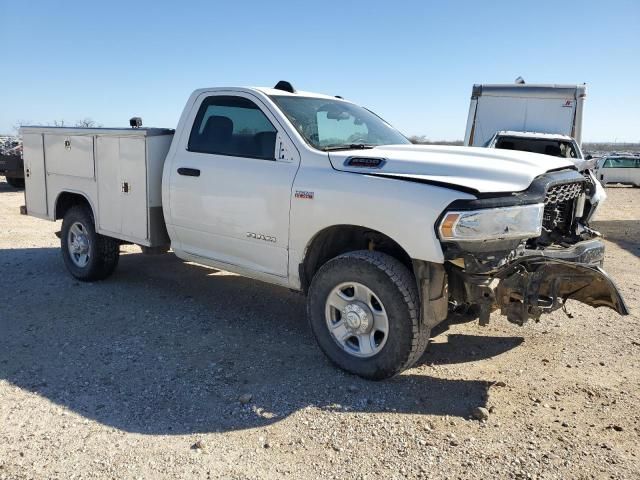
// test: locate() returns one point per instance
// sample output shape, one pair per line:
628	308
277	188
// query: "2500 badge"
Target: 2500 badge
260	236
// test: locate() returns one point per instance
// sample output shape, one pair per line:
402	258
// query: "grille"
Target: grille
558	205
564	192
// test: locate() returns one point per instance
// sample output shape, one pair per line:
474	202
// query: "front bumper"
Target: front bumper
588	252
541	281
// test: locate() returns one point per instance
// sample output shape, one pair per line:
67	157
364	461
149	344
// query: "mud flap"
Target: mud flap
536	285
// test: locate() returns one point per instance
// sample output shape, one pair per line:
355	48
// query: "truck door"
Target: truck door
34	176
230	196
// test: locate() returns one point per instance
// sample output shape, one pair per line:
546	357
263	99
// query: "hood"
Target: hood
483	170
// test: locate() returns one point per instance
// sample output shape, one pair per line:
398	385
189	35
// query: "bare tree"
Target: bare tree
423	140
20	123
87	123
418	139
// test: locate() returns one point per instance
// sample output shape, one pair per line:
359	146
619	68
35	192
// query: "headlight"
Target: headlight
523	221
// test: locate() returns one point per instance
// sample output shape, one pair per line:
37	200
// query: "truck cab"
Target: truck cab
553	144
619	168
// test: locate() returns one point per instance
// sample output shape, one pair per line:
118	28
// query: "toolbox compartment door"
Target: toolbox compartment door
35	178
122	187
133	171
70	155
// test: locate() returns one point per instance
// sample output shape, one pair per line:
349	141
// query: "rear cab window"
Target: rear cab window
233	126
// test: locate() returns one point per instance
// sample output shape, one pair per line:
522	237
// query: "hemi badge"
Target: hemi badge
304	195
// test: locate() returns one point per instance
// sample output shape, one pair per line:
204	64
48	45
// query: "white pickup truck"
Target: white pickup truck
317	194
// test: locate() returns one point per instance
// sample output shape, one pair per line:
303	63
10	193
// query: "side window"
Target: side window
621	163
235	126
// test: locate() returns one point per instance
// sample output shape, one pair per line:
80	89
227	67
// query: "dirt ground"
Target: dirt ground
140	376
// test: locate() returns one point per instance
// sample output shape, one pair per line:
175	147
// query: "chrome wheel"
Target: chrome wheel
357	319
79	245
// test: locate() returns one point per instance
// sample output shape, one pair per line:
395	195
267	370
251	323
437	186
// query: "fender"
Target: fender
72	192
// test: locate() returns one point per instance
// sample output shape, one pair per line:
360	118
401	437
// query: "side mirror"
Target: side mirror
588	157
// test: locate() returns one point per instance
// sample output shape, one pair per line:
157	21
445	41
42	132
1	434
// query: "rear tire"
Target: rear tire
87	255
347	298
15	182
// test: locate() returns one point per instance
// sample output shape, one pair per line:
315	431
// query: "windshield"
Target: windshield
555	148
333	124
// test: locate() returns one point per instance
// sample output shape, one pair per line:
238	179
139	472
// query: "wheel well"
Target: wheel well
339	239
66	200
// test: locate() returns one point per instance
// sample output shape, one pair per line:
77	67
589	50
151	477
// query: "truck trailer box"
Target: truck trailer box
549	109
118	171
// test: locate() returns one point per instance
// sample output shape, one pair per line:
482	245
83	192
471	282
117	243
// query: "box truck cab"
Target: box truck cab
544	119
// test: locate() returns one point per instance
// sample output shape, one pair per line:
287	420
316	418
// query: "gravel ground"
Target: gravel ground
171	370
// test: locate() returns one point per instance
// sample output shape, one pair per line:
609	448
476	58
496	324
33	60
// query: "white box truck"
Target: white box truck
544	119
318	194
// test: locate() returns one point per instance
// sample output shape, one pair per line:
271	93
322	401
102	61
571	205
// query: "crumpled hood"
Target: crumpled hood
485	170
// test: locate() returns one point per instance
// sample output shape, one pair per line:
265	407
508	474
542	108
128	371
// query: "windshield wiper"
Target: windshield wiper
352	146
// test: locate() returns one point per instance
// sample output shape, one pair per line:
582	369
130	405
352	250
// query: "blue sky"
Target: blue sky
412	62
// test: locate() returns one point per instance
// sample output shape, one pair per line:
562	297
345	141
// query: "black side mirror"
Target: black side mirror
588	157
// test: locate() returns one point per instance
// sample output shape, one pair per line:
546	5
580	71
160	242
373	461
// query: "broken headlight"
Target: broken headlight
505	223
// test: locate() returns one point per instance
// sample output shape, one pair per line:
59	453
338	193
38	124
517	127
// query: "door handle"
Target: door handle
189	172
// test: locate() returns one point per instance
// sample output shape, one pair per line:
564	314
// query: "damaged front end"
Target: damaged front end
505	265
531	286
535	285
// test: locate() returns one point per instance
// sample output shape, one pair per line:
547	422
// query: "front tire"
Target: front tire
87	255
363	308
